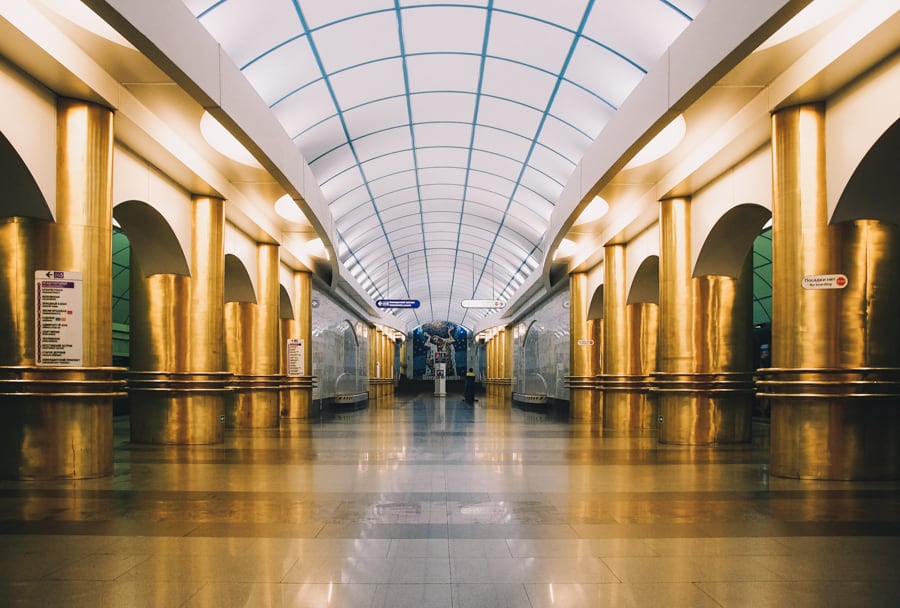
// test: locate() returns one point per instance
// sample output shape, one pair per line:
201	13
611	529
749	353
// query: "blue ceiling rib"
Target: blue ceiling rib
454	167
448	122
474	128
587	11
337	106
594	94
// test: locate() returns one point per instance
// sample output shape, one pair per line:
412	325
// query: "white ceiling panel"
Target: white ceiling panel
461	123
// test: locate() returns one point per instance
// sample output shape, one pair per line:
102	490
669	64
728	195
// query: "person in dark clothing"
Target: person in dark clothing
470	386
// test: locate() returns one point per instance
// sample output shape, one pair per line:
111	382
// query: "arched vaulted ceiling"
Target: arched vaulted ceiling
442	133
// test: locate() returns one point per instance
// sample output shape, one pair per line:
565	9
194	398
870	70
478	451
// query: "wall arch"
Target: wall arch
726	246
285	309
645	286
153	242
595	306
874	186
22	195
238	287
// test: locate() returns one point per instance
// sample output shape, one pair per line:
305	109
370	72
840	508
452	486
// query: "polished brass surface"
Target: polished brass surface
615	321
159	321
80	239
296	395
832	387
581	355
254	401
834	423
207	343
675	302
18	250
266	349
627	401
869	321
804	321
177	383
56	422
178	408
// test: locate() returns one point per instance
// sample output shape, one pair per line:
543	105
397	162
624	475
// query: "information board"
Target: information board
58	319
295	359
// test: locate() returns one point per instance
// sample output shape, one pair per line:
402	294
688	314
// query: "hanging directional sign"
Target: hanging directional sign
483	304
397	303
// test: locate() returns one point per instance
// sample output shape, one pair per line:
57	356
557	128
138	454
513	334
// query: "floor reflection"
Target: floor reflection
431	501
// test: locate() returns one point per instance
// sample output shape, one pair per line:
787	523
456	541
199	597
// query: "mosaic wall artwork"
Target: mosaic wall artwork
340	353
541	350
440	337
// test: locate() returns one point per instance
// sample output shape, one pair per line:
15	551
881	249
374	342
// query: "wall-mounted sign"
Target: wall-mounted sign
483	304
824	281
295	359
58	318
585	343
397	303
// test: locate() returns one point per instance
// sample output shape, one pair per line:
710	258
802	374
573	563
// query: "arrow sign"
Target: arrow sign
397	303
483	304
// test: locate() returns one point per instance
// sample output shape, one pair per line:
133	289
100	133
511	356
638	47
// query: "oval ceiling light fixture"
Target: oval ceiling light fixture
219	138
566	248
85	18
596	209
316	248
664	142
813	15
288	210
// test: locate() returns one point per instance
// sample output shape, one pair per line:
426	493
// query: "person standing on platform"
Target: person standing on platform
470	386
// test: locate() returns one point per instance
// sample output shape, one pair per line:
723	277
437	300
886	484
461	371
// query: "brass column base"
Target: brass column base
254	403
498	393
295	397
170	408
627	403
704	409
833	423
583	401
56	422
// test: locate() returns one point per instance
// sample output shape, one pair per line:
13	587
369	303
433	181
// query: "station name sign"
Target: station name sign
397	303
483	304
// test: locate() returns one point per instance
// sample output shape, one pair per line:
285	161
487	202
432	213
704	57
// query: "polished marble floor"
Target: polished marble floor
430	502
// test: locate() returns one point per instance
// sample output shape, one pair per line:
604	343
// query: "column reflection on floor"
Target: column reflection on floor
426	501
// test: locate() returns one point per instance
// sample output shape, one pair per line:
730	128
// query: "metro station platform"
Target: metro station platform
431	502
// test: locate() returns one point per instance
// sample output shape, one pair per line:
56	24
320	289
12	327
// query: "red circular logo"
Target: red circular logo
841	281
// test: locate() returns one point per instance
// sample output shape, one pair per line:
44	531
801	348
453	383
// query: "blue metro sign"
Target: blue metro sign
397	303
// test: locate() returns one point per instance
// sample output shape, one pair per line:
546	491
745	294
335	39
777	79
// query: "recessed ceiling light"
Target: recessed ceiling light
219	138
596	209
566	248
288	210
664	142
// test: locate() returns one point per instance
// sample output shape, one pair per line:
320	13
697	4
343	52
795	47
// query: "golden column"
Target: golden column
296	350
834	382
674	381
723	345
373	363
253	350
506	366
615	382
177	382
581	353
375	376
643	328
56	414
